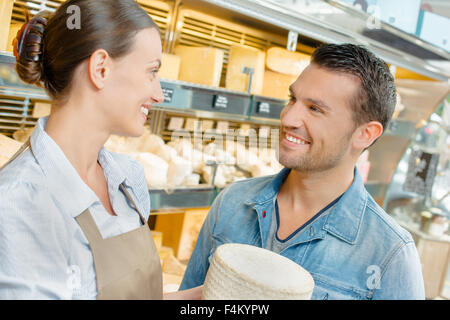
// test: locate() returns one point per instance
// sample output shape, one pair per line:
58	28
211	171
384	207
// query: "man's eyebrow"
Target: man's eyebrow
291	90
319	103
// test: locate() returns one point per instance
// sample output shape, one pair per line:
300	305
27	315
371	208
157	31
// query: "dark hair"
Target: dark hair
51	50
376	99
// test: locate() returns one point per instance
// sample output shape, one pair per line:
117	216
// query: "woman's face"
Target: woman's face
133	85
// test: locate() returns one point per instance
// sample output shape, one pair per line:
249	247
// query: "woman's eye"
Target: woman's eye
154	72
291	98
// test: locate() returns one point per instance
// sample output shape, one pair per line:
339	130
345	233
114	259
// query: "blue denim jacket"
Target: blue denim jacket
356	251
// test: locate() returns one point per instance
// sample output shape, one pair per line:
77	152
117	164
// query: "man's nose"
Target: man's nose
292	116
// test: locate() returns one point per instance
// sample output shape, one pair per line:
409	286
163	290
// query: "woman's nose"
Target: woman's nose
158	95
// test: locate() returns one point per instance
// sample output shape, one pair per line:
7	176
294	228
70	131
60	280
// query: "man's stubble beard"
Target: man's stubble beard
308	162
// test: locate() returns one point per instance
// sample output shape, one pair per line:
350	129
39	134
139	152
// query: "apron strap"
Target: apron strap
89	227
21	150
128	195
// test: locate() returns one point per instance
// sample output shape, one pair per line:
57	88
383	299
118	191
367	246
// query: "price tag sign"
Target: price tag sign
168	94
263	107
220	102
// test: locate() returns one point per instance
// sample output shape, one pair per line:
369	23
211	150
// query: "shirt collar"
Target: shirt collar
64	182
344	219
269	190
114	174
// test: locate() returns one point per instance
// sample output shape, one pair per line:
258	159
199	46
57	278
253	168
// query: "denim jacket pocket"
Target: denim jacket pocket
330	289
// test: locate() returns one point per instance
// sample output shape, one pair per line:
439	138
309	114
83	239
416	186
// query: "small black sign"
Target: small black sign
168	94
263	107
220	101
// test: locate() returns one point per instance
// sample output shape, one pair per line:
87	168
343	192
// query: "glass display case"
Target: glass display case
421	182
418	198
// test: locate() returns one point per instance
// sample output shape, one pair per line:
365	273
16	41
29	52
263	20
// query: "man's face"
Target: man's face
317	124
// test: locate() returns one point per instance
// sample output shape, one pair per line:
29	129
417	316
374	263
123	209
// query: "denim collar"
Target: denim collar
343	221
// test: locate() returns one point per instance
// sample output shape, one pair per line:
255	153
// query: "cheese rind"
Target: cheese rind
276	85
202	65
240	57
285	61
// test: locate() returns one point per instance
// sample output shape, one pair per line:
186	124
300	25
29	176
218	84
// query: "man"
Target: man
316	211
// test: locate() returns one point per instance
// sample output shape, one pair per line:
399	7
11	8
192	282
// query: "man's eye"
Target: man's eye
315	109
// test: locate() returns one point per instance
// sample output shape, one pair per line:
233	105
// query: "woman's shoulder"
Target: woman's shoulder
22	171
23	190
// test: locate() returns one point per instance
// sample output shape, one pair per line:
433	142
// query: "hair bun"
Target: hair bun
28	51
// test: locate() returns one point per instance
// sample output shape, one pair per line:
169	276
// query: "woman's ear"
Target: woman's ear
99	68
366	134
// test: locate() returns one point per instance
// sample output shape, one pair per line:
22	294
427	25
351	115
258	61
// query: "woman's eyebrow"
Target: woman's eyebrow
156	60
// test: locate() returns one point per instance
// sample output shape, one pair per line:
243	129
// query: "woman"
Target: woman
73	215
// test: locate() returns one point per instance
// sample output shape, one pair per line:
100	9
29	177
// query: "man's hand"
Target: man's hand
190	294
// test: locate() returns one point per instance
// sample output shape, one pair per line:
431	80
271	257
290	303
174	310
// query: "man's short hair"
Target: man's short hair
376	99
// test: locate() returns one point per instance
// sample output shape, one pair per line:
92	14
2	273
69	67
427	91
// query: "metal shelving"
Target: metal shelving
320	29
259	24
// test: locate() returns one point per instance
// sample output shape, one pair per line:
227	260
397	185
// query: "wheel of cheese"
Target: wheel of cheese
286	62
202	65
244	272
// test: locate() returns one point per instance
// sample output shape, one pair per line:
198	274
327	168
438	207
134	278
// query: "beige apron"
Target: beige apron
127	266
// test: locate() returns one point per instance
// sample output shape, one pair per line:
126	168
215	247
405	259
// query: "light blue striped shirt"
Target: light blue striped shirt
44	254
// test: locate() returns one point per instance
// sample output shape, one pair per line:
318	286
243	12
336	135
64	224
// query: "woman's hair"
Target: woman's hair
49	47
